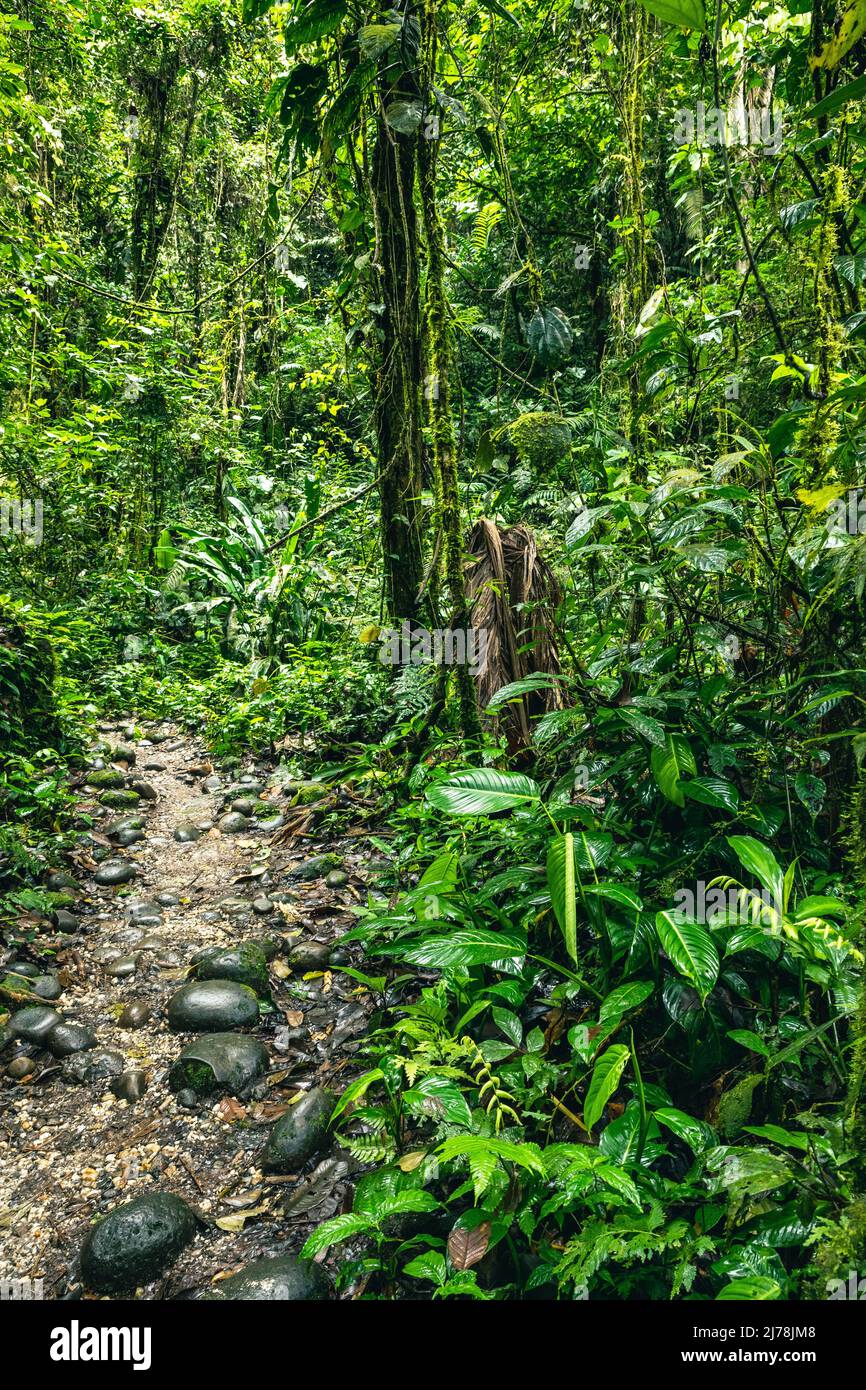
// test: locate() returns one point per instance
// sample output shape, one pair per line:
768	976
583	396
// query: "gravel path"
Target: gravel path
70	1152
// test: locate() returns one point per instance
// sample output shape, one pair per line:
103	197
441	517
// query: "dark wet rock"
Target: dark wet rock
60	879
244	788
152	943
300	1133
340	956
212	1006
233	823
317	867
262	906
337	878
187	834
34	1023
47	987
114	872
218	1062
187	1098
125	823
144	789
123	753
106	778
283	1278
167	899
122	967
67	1037
244	805
309	955
126	838
66	921
244	963
130	1085
118	800
269	946
154	766
136	1242
135	1015
145	912
20	1067
23	967
87	1068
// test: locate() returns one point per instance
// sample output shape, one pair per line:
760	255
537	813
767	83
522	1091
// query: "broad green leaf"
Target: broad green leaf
696	1133
606	1076
643	724
757	1288
333	1231
713	791
760	861
467	947
751	1040
561	880
314	22
625	997
516	689
615	893
483	791
670	764
440	1098
688	14
691	950
850	28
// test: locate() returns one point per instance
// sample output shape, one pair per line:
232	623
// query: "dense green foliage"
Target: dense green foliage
291	297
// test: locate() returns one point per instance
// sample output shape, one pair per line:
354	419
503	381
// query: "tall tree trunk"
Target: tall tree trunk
439	353
397	408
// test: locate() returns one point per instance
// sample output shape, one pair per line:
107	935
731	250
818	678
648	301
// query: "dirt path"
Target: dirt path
70	1151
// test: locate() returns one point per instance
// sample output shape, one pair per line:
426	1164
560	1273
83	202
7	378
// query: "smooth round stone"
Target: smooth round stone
167	899
211	1006
66	921
233	823
105	778
135	1015
154	766
126	823
148	913
336	879
300	1133
123	753
317	867
119	800
86	1068
114	873
67	1037
122	968
262	906
144	789
130	1085
23	967
268	945
218	1062
20	1067
127	838
244	805
187	834
136	1242
234	905
310	955
187	1098
212	784
274	823
47	987
34	1023
283	1278
59	880
244	963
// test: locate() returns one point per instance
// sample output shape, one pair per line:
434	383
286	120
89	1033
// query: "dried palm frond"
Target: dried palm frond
513	594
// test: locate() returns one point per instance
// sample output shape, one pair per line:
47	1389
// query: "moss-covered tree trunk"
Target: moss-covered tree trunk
439	352
397	407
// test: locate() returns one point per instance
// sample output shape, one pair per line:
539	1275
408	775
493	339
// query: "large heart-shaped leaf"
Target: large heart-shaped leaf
605	1079
690	949
670	764
482	791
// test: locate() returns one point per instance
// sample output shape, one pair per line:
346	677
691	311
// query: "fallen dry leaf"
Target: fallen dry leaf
466	1248
230	1110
